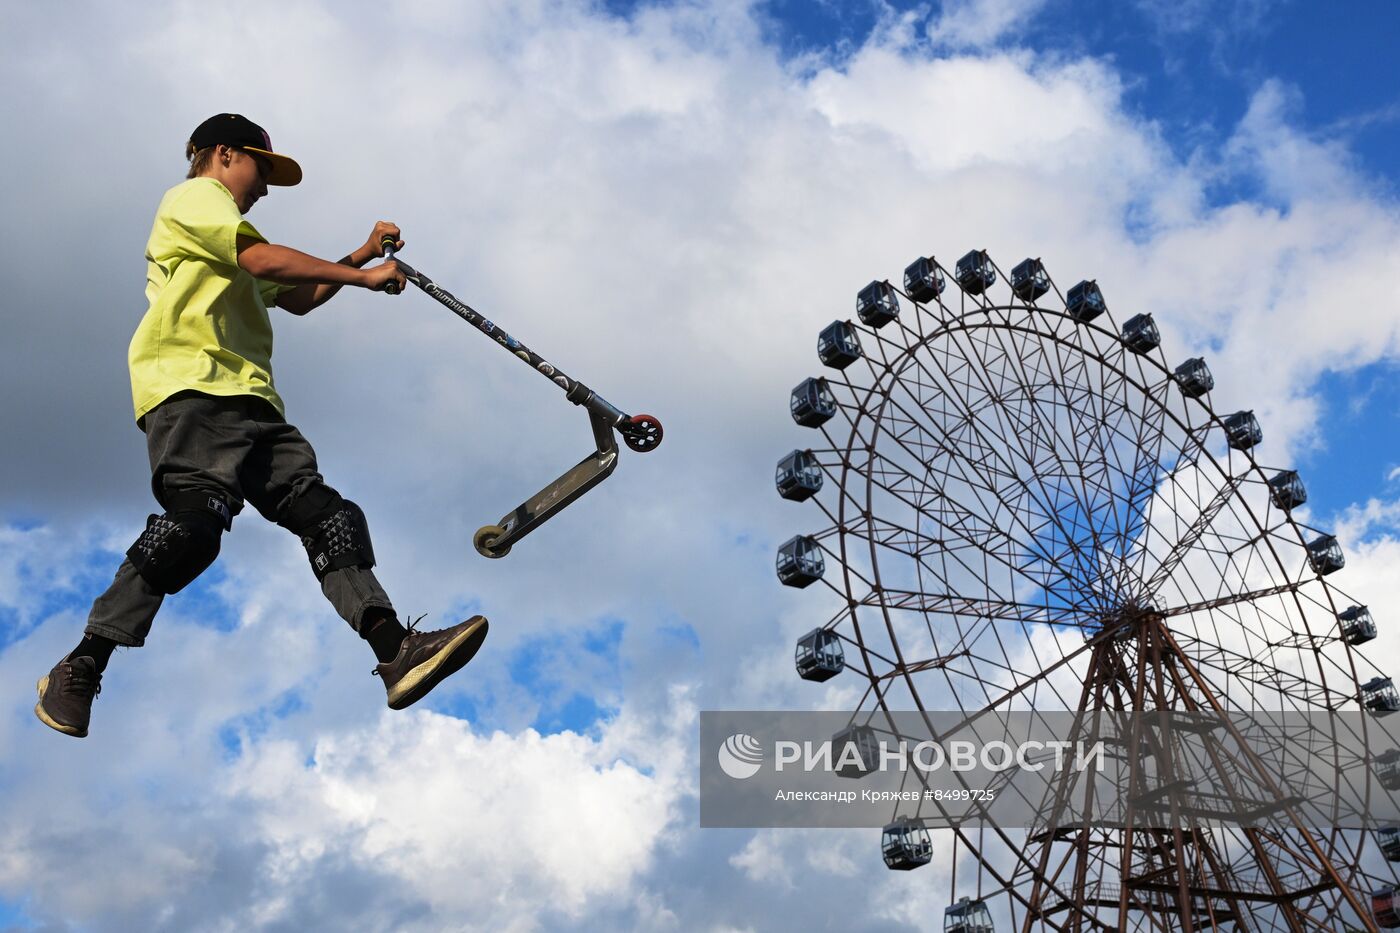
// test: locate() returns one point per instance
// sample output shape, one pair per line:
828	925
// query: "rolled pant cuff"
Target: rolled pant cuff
115	634
357	623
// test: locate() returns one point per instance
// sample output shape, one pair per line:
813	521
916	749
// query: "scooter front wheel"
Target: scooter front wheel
642	433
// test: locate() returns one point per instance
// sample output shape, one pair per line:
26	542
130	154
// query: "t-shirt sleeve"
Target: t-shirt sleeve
203	223
270	291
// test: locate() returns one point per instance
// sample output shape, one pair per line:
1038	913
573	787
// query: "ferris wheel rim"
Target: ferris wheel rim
870	407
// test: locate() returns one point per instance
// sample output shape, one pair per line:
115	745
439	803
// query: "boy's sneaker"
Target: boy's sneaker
65	696
425	659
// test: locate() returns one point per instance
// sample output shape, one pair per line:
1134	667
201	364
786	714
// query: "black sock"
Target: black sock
96	647
385	634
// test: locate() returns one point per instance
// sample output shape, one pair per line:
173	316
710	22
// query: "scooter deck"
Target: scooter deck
542	506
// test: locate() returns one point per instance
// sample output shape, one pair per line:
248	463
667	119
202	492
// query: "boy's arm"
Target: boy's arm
316	280
308	295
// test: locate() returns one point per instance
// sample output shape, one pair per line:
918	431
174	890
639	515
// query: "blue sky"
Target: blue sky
674	199
1361	448
1192	66
13	917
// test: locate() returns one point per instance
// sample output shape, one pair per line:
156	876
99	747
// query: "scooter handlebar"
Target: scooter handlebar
388	244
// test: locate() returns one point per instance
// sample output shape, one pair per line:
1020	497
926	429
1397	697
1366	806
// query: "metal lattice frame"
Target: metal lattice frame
1025	513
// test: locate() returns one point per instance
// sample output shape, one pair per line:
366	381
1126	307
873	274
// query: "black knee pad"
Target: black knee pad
335	534
177	546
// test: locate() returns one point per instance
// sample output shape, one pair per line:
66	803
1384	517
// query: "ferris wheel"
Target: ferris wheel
1025	506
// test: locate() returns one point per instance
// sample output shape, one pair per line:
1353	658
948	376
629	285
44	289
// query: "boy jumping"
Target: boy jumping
201	380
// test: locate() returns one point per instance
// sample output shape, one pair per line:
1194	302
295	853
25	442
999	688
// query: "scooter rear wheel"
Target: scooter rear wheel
483	538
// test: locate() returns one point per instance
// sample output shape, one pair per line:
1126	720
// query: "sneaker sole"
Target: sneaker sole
451	659
48	720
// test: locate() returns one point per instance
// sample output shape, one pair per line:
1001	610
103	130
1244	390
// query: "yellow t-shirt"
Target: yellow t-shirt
207	326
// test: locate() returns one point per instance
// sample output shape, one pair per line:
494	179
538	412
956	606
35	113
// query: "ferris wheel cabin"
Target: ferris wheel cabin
1385	907
838	345
1194	378
905	844
975	272
1386	766
819	655
1287	491
1029	280
1388	839
867	751
1378	695
800	562
877	304
1085	302
812	403
1140	334
968	915
923	280
1357	625
799	476
1242	430
1325	555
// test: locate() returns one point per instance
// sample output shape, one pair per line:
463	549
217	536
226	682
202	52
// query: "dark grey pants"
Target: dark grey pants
241	448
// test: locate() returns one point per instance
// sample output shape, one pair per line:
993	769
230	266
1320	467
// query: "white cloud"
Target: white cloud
1292	166
1004	110
762	861
500	828
1184	16
980	23
1179	27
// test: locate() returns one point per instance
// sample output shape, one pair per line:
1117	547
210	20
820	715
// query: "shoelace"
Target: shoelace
409	629
81	683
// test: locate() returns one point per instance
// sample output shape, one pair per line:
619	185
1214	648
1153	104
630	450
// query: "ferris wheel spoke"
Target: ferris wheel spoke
1232	599
1193	534
1250	669
981	608
919	666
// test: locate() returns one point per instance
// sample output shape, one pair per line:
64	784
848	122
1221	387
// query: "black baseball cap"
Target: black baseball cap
234	129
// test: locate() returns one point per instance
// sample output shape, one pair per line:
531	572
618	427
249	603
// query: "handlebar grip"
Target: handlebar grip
388	245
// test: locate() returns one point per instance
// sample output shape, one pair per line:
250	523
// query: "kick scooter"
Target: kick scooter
641	433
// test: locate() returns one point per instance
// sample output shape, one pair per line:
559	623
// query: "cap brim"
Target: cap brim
285	171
